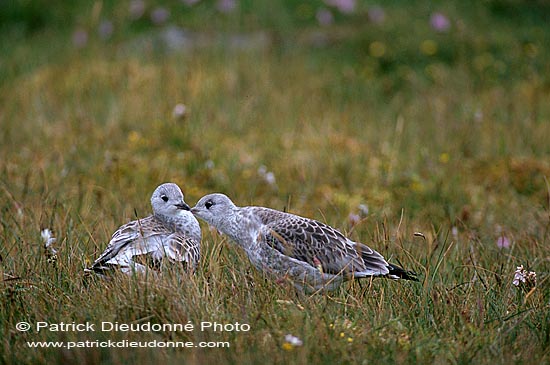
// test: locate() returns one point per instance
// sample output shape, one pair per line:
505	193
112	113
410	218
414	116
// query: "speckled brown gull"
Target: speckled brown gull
172	232
313	255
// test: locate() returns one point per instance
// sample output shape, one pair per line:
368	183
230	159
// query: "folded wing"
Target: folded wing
149	240
320	245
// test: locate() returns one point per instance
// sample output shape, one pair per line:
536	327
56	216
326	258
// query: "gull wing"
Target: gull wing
319	245
150	237
178	247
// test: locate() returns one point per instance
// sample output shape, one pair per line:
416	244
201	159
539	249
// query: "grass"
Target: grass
448	150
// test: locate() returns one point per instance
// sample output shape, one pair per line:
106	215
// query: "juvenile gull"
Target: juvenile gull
172	232
313	255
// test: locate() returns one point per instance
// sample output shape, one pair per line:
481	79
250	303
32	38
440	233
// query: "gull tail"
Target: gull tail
397	272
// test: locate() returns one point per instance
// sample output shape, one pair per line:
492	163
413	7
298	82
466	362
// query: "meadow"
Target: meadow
421	130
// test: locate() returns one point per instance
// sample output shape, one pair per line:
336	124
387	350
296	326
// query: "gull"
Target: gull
312	255
172	232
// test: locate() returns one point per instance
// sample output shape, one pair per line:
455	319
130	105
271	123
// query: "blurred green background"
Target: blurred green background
380	118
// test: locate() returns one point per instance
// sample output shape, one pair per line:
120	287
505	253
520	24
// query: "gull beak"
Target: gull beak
182	206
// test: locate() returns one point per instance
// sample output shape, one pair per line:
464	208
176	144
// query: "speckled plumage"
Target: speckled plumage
313	255
172	232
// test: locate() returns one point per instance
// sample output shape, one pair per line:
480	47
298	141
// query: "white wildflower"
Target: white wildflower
49	240
209	164
353	219
179	112
293	340
454	232
268	176
363	210
19	209
524	278
136	9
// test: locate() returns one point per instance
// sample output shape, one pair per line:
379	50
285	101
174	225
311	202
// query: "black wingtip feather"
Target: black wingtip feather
101	270
401	273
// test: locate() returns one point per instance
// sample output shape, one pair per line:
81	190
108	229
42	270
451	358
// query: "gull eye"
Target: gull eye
164	197
208	204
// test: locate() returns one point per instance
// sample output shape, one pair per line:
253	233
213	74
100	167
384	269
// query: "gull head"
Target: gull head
214	209
167	199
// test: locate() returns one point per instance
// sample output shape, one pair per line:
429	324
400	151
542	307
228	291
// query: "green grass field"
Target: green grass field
443	134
